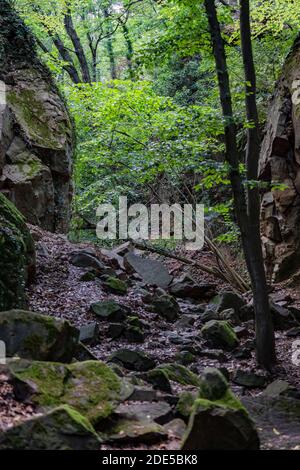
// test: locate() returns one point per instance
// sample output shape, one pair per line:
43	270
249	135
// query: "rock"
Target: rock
159	412
185	286
280	218
230	315
293	332
185	358
115	285
89	333
159	380
36	142
180	374
60	429
143	394
278	388
241	331
208	315
220	334
17	260
215	354
152	272
242	353
91	387
115	330
110	310
176	428
83	354
89	276
185	339
220	423
134	334
132	360
137	432
185	405
249	379
33	336
282	317
114	259
81	259
227	300
186	321
246	313
166	306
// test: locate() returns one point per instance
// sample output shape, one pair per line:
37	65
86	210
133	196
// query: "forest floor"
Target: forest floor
59	291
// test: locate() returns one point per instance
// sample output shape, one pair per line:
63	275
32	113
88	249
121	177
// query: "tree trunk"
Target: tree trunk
110	47
71	31
247	211
66	57
129	51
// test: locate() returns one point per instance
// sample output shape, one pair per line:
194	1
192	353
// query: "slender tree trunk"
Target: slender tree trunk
72	33
66	57
247	211
110	47
264	326
129	50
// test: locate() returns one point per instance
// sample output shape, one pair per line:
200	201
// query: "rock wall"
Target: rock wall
280	164
35	131
17	256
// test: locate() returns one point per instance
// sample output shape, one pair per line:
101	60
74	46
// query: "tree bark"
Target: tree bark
129	51
247	211
71	31
110	47
66	57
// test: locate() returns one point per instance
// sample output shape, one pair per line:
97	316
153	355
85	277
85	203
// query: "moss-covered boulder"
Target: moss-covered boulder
166	306
180	374
115	285
91	387
220	334
38	337
218	420
17	256
60	429
158	378
128	431
185	405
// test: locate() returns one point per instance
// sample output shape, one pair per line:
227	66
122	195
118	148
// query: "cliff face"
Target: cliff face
280	163
35	131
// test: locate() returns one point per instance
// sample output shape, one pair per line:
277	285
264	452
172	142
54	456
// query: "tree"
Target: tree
246	200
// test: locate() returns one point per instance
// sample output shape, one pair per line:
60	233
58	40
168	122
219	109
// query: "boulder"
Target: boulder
152	272
17	256
220	334
158	379
279	388
132	360
218	420
166	306
36	136
115	285
115	330
89	333
134	334
135	432
186	286
38	337
160	412
249	379
91	387
62	428
180	374
110	310
82	259
227	300
185	405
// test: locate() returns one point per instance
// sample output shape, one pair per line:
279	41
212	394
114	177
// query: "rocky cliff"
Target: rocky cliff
35	130
280	163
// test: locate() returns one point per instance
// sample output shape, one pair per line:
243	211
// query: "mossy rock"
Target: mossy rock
166	306
115	285
91	387
220	334
158	379
110	310
60	429
185	405
38	337
180	374
17	258
218	419
128	431
134	334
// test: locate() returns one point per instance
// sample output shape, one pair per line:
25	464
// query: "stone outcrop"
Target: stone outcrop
280	165
17	256
35	131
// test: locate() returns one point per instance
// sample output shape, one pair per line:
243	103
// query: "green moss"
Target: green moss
90	387
227	401
180	374
185	404
116	285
